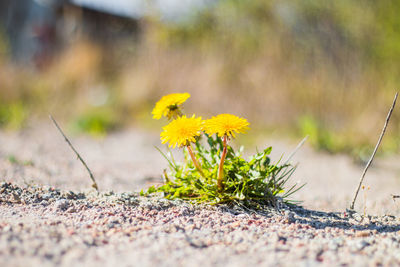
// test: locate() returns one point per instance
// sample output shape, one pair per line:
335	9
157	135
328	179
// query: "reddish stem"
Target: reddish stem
221	166
196	164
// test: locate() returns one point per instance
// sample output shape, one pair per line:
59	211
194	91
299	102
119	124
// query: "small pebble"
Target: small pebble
61	204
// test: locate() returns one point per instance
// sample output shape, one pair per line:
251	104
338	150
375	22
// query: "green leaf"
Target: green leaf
250	183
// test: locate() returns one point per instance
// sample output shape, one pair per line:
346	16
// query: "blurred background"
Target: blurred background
328	69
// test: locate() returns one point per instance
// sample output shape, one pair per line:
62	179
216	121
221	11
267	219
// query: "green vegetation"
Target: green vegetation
96	122
14	160
251	182
13	115
217	174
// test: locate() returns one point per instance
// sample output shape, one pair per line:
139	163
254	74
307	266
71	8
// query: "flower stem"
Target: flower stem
174	113
196	164
221	166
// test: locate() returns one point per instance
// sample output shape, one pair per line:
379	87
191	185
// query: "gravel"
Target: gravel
65	228
50	217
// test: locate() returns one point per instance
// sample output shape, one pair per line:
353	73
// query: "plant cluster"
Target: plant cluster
212	171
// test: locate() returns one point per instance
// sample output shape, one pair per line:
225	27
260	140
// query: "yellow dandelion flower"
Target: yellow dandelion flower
225	124
168	105
182	131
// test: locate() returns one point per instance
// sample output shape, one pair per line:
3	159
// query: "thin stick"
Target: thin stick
373	154
94	185
296	149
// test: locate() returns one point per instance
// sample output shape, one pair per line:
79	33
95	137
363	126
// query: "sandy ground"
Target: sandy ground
128	161
46	221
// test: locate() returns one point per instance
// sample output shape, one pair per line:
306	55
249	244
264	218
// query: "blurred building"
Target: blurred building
36	29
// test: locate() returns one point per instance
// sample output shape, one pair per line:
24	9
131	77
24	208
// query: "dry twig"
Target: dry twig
373	154
296	149
94	185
